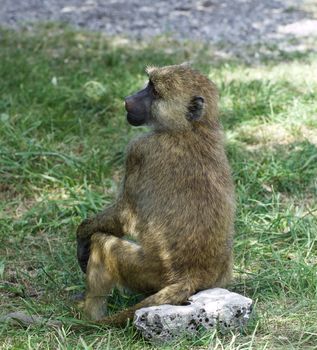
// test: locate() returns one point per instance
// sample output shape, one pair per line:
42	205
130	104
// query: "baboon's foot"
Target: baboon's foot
95	308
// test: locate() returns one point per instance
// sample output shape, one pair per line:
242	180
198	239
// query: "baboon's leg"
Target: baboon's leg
98	285
116	261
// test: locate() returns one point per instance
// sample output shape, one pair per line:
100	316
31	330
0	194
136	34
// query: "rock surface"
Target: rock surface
206	310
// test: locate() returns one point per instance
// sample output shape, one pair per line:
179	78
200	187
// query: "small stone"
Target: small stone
26	320
206	310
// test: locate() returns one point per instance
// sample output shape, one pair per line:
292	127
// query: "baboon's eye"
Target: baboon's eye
154	91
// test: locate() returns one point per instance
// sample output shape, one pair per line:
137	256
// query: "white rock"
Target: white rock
206	310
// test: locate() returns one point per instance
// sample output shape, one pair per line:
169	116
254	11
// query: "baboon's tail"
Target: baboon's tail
173	294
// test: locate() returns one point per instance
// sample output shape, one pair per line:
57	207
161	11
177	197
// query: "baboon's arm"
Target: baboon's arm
106	222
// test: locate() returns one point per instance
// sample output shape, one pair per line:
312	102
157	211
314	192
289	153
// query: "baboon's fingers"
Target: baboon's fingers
83	252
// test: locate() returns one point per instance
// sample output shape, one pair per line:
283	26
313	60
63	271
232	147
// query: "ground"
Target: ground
233	23
62	139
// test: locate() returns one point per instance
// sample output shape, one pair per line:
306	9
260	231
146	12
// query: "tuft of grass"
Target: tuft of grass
62	140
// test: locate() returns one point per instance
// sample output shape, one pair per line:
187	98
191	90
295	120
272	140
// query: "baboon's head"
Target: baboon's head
175	98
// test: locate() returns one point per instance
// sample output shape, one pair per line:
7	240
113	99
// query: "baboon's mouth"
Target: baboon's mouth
134	120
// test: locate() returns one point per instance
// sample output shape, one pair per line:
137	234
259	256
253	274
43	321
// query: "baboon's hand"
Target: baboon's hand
83	252
84	232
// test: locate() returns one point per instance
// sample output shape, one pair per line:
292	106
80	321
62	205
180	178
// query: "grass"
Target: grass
62	139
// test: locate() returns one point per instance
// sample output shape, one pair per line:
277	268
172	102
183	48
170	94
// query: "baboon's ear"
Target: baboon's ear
195	108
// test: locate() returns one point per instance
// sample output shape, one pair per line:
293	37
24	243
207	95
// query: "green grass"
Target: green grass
62	139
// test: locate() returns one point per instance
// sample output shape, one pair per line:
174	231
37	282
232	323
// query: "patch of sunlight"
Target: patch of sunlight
300	28
89	6
272	134
293	72
56	194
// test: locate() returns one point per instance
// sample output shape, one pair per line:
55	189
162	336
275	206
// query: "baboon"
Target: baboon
176	200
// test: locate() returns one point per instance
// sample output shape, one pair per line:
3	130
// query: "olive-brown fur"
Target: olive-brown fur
176	200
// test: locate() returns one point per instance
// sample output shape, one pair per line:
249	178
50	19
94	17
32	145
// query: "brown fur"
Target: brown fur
177	201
